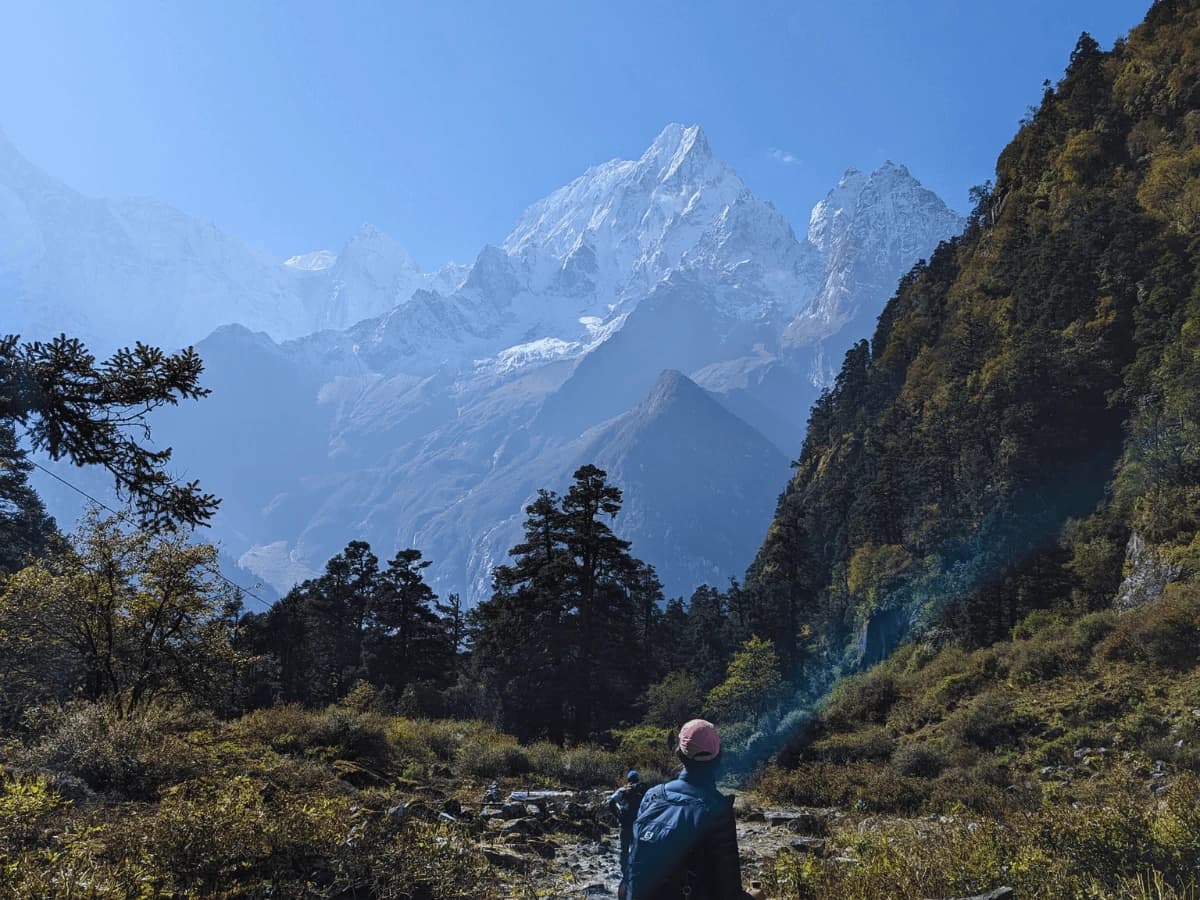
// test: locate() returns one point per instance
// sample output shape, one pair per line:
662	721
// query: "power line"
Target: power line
103	505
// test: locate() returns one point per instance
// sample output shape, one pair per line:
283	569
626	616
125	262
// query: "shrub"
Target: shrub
240	838
1037	621
818	784
869	744
337	732
433	740
861	699
589	766
285	725
130	757
988	723
491	755
1093	628
1040	660
673	701
1165	634
647	746
885	790
920	761
546	760
956	790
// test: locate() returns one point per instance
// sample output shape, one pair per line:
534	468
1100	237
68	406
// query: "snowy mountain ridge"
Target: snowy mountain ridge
424	409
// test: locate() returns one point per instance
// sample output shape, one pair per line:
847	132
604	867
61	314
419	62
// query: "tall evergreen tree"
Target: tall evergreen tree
560	641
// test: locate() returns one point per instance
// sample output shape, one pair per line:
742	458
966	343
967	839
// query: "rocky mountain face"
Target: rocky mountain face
424	409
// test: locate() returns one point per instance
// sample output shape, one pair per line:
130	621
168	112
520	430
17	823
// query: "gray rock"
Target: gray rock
808	846
1149	574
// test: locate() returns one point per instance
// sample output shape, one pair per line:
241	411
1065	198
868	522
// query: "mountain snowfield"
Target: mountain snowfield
653	316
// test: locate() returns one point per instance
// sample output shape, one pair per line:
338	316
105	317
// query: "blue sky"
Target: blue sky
290	124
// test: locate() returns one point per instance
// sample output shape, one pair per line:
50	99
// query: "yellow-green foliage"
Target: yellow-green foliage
1105	700
27	806
751	683
124	756
1166	635
1124	847
873	569
291	800
247	806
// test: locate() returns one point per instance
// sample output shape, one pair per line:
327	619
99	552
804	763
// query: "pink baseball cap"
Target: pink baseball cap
699	740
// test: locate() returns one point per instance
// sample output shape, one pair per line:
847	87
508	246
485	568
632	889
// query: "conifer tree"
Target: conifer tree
72	407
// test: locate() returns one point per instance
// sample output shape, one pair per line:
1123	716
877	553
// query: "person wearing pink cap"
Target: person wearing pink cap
684	839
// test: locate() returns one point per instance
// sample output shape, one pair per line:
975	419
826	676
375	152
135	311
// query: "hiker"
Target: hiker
623	803
684	838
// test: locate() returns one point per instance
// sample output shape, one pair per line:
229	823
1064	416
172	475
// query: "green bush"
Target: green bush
861	699
647	747
673	701
868	744
128	757
920	761
589	766
1089	630
1038	621
337	732
1036	660
491	756
988	723
1164	634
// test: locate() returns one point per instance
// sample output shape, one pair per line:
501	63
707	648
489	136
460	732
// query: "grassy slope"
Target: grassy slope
1071	751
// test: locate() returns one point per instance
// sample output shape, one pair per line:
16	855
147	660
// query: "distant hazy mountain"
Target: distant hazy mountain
118	270
414	409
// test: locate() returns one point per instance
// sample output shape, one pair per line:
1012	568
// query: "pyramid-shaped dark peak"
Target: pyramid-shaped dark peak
671	388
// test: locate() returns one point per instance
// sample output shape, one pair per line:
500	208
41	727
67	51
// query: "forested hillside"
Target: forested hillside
1026	412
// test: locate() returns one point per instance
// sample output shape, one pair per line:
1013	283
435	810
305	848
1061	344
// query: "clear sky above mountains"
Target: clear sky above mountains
291	123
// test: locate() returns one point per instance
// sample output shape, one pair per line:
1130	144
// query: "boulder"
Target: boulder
798	822
808	846
512	810
522	826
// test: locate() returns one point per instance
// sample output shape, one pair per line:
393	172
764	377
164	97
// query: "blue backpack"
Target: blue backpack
668	828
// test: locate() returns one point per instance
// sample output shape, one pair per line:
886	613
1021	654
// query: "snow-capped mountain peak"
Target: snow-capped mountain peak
871	229
681	151
623	226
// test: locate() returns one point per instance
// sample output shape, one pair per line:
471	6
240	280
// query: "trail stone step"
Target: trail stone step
797	822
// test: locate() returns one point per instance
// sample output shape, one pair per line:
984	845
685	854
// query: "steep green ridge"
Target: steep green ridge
1030	399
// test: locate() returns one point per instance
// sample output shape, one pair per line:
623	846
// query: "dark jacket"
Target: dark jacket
624	802
685	834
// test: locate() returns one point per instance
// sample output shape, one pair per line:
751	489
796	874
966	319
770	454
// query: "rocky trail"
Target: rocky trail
564	844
